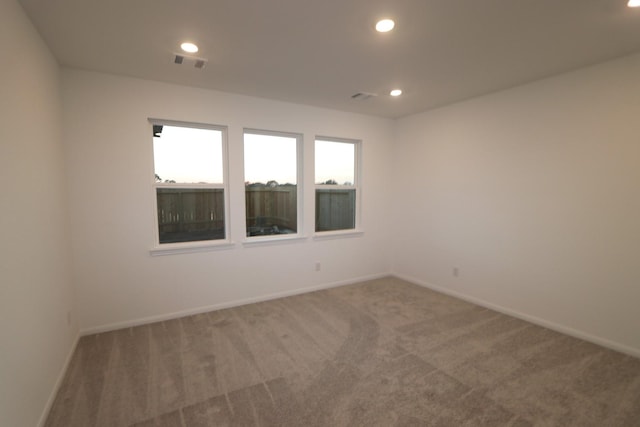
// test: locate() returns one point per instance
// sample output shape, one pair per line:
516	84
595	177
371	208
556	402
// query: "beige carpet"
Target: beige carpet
379	353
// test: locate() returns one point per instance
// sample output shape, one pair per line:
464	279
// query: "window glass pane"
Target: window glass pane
335	162
335	209
271	170
270	158
187	155
190	214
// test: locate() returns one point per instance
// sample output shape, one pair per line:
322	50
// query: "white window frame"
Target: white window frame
357	186
200	245
278	238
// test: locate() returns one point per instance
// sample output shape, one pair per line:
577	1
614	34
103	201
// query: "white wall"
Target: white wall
534	194
36	292
110	167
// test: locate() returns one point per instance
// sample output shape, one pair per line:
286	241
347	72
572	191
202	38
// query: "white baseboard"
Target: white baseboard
622	348
229	304
58	383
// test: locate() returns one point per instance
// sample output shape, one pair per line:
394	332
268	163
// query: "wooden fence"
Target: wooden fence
335	209
191	214
271	210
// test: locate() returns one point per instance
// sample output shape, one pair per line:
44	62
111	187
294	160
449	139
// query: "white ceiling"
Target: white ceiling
320	52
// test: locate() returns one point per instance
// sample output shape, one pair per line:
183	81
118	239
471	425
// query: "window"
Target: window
337	186
271	176
190	186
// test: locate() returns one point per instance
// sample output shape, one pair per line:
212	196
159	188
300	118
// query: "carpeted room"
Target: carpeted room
519	197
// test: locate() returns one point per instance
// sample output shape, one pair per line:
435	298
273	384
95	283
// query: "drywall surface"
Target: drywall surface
110	165
533	195
35	294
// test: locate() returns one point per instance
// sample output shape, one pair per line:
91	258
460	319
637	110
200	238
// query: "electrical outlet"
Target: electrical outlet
318	266
455	272
69	318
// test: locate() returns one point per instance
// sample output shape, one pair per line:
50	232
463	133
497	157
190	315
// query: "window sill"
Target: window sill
340	234
271	240
186	248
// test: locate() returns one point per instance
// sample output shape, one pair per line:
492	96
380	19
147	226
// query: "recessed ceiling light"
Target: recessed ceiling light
189	47
385	25
395	92
634	3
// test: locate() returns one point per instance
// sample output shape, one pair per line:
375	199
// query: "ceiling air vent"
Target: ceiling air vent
363	96
190	61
